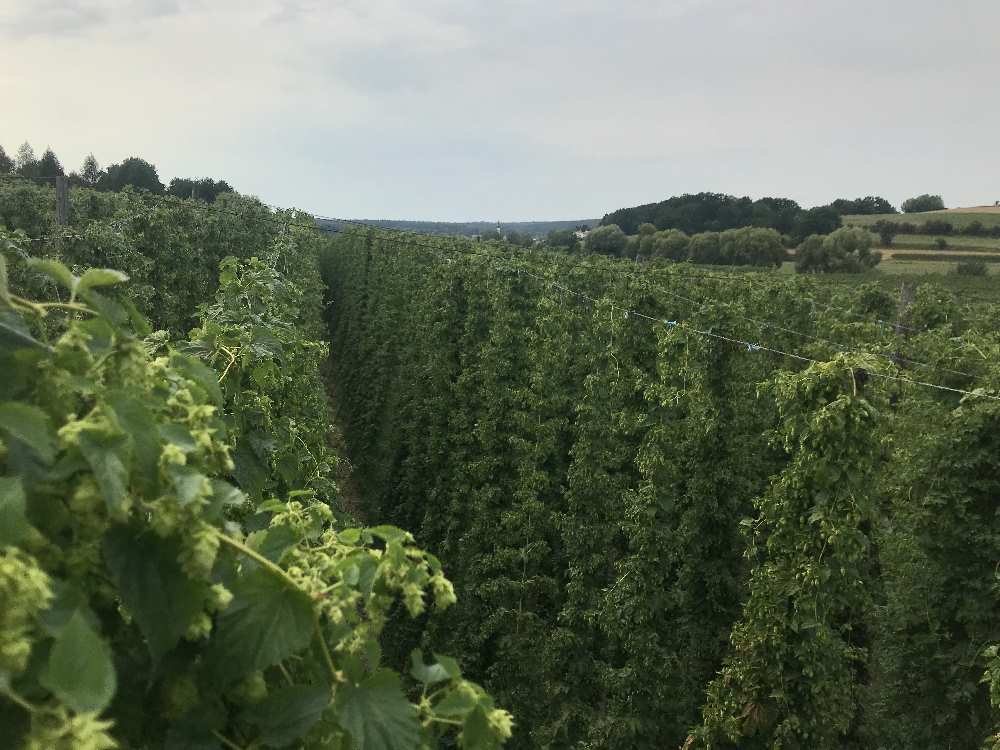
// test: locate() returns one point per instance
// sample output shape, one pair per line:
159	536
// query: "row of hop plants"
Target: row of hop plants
174	567
661	537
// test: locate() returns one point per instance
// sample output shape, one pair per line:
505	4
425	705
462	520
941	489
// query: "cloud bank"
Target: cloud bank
440	109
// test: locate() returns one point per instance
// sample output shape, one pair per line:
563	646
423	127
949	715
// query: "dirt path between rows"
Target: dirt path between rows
350	489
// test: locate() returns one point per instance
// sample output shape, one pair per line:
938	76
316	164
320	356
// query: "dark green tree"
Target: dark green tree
704	248
819	220
870	204
847	250
563	238
887	232
205	189
49	166
133	171
607	240
6	163
671	244
923	203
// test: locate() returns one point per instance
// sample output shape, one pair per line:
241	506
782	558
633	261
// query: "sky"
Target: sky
515	110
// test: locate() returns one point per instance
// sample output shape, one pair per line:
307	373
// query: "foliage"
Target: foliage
205	189
950	256
671	244
49	166
563	238
922	203
6	163
797	650
133	171
584	469
820	220
148	601
870	204
975	267
847	250
708	212
607	240
256	336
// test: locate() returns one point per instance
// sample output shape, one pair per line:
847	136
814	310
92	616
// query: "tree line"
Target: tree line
844	250
716	212
132	171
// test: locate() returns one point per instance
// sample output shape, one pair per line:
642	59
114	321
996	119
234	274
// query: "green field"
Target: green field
956	217
921	241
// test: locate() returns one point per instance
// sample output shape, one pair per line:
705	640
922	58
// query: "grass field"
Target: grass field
890	267
959	242
959	217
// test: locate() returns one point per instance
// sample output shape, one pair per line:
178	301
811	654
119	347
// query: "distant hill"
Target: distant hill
959	218
467	228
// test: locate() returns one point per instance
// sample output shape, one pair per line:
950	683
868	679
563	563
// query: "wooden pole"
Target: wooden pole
62	201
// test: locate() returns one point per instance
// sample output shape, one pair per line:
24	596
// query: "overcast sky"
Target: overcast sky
551	109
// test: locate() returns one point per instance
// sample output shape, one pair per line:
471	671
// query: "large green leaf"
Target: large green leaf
428	674
79	671
137	422
108	456
95	277
14	526
56	270
287	714
31	426
377	714
274	542
14	334
199	373
152	585
266	622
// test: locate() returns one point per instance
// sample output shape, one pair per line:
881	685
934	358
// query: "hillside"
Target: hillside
988	216
465	228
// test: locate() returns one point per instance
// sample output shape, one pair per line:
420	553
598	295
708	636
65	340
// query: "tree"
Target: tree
870	204
607	240
205	189
26	163
751	246
134	171
704	248
6	163
847	250
819	220
90	172
49	165
521	239
887	232
923	203
564	238
671	244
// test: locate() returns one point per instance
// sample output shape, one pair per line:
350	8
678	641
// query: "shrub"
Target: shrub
607	240
971	268
922	203
847	250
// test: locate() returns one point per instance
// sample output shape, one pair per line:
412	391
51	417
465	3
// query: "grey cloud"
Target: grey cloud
526	109
25	18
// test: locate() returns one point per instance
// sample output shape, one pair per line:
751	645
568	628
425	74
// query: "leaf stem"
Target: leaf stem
276	570
15	698
226	741
260	560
